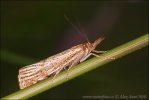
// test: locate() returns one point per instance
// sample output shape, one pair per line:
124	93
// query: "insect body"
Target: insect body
31	74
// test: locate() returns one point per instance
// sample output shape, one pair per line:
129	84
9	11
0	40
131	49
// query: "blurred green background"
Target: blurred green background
34	30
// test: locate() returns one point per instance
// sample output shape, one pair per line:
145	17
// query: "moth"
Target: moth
34	73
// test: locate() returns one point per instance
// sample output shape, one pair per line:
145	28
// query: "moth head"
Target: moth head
97	42
90	46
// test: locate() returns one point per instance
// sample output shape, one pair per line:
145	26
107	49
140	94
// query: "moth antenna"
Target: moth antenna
77	29
82	31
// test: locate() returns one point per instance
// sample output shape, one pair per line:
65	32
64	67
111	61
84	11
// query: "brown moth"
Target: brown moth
34	73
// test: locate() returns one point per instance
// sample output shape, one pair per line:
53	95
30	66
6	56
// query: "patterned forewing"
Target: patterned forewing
64	59
31	74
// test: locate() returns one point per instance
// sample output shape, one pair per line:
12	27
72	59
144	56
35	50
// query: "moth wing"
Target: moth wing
29	75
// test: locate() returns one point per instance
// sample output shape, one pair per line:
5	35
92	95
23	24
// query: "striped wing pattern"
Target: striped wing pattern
31	74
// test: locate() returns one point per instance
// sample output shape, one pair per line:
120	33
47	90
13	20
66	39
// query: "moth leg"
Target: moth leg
56	74
73	63
95	55
85	57
100	56
96	51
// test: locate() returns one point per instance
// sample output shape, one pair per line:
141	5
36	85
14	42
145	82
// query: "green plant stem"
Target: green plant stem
81	68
